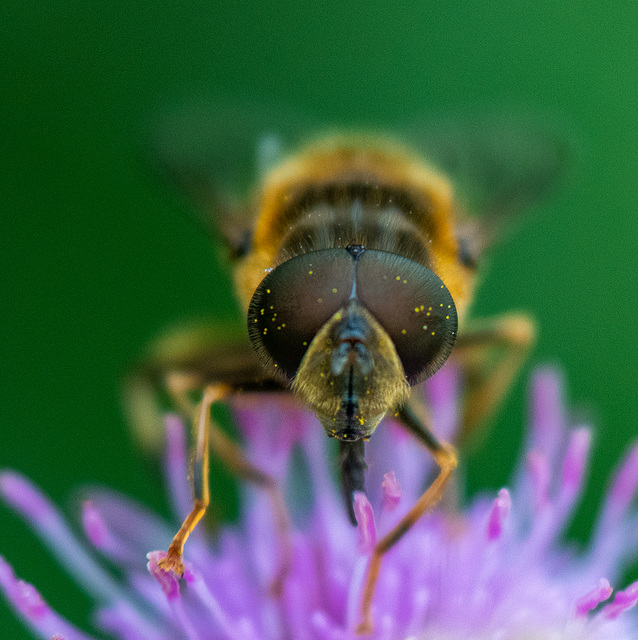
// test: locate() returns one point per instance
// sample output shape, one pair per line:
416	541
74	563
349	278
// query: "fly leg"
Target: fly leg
445	457
491	352
208	435
200	466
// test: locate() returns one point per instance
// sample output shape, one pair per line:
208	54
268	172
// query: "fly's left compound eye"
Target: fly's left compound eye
294	301
414	307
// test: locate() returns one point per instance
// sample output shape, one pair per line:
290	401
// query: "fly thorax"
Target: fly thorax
351	374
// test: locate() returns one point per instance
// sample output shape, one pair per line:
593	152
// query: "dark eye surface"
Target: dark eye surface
413	305
294	301
299	296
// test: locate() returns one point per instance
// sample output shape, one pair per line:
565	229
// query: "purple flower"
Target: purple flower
494	570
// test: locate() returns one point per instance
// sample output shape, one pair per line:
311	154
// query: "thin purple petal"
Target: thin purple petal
539	474
575	462
47	522
391	492
203	593
21	494
442	392
176	468
623	490
365	523
94	527
34	611
593	598
623	601
547	415
123	621
498	514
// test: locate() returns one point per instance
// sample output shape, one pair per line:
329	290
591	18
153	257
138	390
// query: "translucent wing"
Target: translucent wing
499	166
215	153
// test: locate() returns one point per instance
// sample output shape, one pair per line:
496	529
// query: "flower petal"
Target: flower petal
623	601
498	514
34	611
365	523
593	598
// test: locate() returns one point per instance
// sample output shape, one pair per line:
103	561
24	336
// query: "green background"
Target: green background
97	257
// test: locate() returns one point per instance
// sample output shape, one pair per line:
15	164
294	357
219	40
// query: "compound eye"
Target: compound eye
413	305
294	301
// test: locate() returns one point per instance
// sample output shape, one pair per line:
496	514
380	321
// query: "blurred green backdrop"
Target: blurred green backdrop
97	258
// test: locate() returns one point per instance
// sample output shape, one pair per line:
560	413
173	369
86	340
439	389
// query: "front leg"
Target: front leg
222	363
208	435
200	467
445	456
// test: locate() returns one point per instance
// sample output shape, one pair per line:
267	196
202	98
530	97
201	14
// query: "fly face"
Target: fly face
352	329
351	374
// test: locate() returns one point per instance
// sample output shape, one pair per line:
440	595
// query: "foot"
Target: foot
172	562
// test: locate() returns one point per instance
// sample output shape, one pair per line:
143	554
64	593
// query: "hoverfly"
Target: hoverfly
355	261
